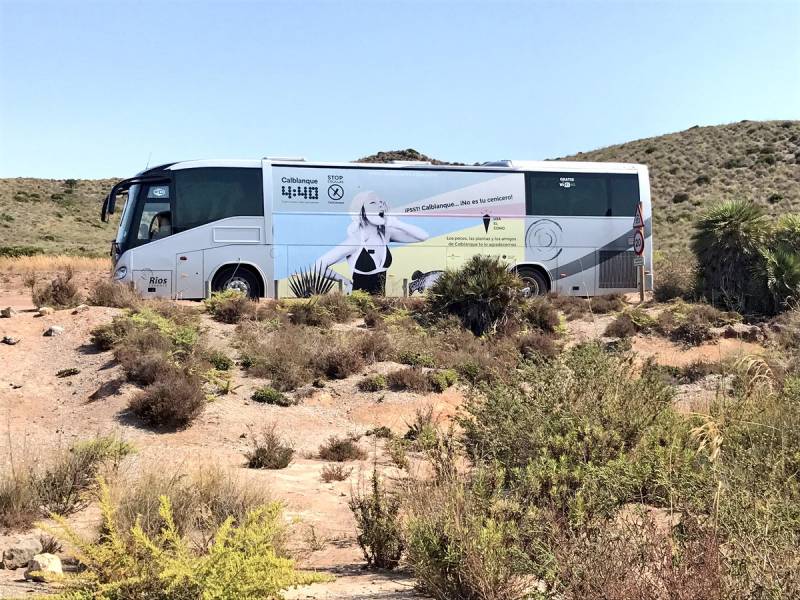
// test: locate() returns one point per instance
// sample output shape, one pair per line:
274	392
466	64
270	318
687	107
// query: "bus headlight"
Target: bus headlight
120	273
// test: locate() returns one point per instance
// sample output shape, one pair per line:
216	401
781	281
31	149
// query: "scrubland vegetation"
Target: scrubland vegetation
569	471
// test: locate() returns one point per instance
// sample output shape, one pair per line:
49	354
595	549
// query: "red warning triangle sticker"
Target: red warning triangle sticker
638	221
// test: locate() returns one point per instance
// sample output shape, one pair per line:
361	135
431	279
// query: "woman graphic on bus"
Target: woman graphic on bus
366	247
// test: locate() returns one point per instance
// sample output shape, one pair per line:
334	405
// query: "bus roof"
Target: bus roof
509	165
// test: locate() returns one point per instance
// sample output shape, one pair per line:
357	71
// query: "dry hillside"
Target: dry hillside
55	215
689	170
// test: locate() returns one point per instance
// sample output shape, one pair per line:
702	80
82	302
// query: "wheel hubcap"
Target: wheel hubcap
530	287
239	284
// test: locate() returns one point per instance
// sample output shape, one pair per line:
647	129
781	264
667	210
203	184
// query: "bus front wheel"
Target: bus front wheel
239	278
534	283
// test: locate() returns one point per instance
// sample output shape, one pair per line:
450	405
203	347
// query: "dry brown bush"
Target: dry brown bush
412	379
335	472
61	292
637	559
536	344
268	450
201	500
106	292
341	449
171	403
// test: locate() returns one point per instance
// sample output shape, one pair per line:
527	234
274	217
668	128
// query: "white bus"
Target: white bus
286	227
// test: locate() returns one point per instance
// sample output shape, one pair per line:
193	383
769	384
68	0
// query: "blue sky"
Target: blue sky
96	88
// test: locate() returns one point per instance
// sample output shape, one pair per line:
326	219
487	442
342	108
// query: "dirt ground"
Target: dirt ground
40	412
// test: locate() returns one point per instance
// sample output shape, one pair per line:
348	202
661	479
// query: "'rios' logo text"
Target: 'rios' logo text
158	281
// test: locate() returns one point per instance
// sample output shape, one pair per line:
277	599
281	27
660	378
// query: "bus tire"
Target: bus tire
533	280
238	277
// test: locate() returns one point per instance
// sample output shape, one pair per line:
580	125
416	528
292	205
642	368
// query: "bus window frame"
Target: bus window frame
529	200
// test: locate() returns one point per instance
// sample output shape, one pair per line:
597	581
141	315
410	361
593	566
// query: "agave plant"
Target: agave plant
311	282
481	294
729	241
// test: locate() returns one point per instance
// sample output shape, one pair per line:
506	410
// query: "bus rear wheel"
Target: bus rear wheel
239	278
533	282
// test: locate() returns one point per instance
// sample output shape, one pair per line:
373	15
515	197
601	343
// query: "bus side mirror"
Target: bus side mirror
104	212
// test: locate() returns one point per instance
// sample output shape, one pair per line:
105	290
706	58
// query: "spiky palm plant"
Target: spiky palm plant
787	233
783	275
482	293
728	241
309	282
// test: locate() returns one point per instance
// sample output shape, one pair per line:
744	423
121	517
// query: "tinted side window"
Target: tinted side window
568	194
624	195
208	194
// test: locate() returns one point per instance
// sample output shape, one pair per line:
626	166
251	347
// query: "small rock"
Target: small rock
10	340
44	311
80	308
43	567
7	312
750	333
20	553
53	330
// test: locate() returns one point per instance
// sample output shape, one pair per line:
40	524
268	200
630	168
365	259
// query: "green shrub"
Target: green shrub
728	242
373	383
482	294
239	562
230	306
338	306
341	449
220	360
269	395
382	432
465	541
424	429
439	381
268	450
60	485
362	300
18	251
584	434
310	312
416	359
377	519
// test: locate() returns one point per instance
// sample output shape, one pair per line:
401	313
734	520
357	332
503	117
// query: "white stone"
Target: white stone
80	308
7	312
43	567
44	311
54	330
